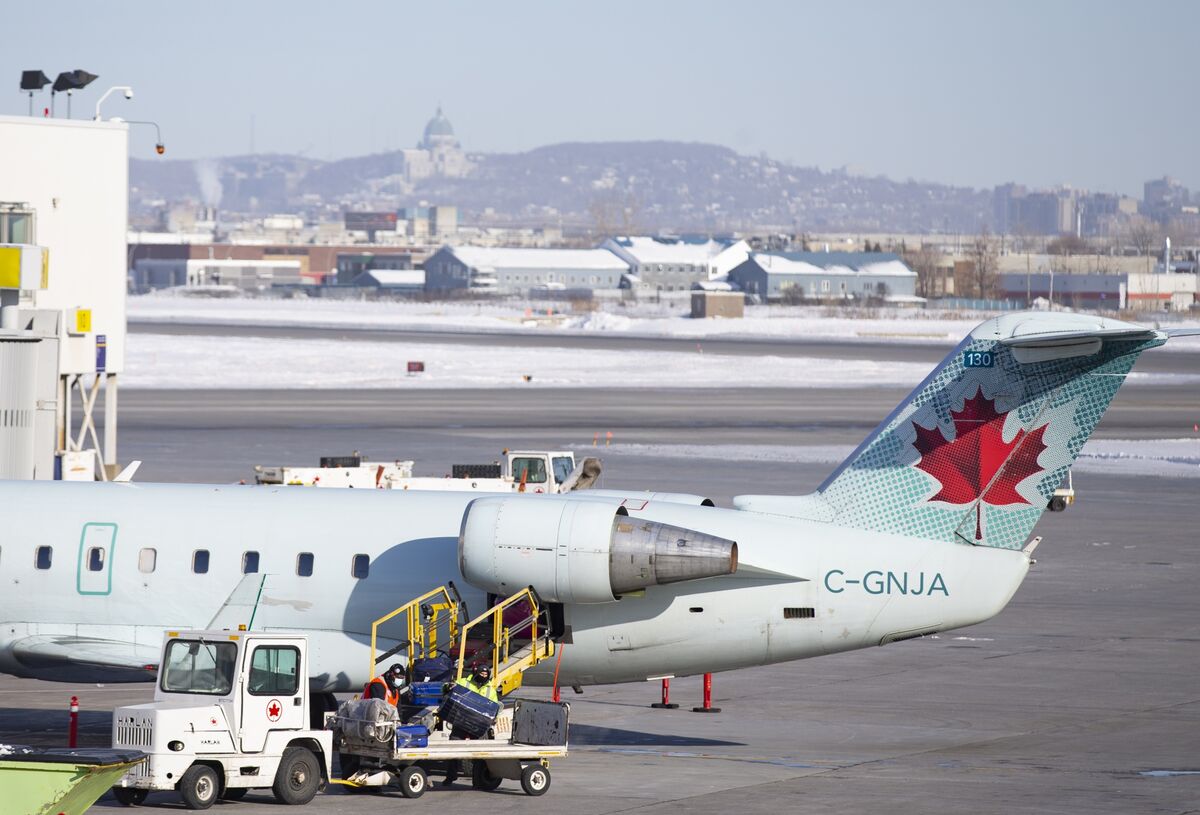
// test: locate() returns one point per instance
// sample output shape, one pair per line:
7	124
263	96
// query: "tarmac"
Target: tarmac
1081	697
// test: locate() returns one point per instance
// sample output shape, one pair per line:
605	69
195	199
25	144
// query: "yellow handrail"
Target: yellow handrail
502	635
419	644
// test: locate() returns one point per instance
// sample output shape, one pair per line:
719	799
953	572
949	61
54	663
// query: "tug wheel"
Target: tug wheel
129	796
535	779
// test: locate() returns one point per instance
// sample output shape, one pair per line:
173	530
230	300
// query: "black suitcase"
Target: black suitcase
469	712
540	723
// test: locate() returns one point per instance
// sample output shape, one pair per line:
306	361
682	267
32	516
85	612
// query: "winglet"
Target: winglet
128	473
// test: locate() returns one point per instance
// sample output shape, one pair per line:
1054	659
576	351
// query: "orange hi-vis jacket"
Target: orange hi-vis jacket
390	696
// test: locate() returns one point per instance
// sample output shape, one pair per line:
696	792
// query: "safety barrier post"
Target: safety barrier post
73	727
666	703
707	708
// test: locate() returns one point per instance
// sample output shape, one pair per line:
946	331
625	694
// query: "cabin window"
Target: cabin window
563	467
147	560
200	561
304	564
360	567
250	563
43	557
275	671
95	559
529	470
799	613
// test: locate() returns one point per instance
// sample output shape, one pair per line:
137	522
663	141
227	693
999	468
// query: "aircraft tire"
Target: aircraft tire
298	777
199	787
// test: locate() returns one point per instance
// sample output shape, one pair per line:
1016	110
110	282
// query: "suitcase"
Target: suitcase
469	712
434	669
427	693
540	723
412	736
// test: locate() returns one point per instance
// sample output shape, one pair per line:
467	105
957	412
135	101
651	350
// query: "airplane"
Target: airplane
925	527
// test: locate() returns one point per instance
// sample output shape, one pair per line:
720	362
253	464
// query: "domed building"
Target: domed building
438	133
438	153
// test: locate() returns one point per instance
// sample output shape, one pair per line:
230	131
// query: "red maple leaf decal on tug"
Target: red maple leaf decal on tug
978	462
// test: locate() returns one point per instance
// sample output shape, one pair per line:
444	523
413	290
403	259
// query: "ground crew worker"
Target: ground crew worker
387	685
479	681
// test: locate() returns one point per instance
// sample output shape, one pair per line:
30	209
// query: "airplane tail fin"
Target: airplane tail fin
975	452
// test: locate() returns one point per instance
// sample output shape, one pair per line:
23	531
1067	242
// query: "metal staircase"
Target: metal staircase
511	637
516	635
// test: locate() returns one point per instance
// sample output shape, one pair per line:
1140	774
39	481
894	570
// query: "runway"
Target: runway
1080	697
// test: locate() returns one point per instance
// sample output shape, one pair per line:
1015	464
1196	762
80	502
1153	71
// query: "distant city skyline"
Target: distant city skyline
1096	95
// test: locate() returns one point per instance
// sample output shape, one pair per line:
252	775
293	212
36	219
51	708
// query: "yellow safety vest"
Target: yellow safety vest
486	690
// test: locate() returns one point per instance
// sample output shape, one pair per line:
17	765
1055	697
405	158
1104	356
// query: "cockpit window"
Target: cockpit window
563	466
198	666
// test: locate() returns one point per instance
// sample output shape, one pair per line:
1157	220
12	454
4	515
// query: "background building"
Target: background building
513	271
675	263
827	276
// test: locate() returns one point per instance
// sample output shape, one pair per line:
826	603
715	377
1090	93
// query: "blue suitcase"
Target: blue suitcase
469	712
412	736
427	693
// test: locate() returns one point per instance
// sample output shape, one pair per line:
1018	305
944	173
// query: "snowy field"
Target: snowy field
644	319
184	361
1143	457
170	361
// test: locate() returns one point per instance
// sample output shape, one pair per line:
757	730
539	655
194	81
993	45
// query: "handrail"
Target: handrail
501	635
421	638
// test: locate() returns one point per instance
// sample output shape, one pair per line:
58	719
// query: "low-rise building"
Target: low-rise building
247	275
499	270
824	276
675	263
399	281
1139	291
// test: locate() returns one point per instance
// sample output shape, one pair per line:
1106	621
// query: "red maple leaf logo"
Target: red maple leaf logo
273	711
978	462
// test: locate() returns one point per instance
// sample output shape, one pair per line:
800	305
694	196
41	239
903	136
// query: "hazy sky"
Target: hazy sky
1101	95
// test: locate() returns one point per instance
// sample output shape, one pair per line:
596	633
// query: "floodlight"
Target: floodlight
73	80
32	81
70	81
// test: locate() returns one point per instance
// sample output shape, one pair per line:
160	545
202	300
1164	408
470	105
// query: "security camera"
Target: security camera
129	93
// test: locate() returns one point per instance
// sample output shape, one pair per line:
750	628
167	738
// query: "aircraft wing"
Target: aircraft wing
1182	332
55	655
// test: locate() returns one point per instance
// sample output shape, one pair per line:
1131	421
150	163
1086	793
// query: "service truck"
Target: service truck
230	714
532	471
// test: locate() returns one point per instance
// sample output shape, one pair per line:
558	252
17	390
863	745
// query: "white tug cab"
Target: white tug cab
230	714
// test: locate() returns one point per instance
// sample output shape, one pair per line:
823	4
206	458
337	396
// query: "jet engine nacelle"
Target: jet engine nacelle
580	551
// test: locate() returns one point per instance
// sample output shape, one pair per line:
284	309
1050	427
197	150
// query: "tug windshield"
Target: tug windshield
197	666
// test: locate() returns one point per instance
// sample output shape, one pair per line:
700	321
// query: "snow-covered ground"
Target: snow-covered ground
185	361
1146	457
168	361
645	319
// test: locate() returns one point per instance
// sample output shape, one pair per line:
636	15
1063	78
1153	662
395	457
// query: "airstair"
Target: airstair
510	637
